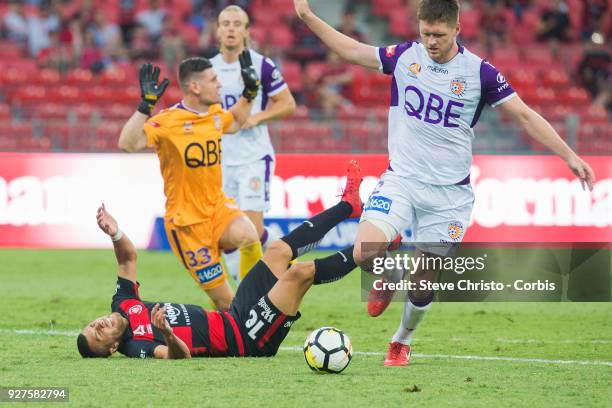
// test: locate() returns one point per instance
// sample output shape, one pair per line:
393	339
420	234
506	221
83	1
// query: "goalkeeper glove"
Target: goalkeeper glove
150	90
249	76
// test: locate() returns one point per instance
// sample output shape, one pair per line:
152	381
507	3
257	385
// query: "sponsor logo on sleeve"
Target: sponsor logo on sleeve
500	78
390	51
154	124
209	273
379	203
217	120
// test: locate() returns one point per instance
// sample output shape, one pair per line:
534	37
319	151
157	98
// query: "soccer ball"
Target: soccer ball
328	350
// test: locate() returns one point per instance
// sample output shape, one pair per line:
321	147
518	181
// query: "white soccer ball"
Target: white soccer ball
328	350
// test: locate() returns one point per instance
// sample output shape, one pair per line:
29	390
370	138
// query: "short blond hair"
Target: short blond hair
237	9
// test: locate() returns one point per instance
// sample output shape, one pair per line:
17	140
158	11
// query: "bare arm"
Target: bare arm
175	348
347	48
125	252
539	129
282	105
133	137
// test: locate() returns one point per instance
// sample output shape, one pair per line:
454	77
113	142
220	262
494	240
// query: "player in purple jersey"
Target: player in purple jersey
260	316
438	91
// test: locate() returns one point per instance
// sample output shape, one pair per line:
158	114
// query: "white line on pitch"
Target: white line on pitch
364	353
482	358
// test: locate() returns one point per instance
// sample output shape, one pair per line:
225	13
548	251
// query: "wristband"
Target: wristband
117	236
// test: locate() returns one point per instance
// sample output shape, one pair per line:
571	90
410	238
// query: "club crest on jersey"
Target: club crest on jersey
455	230
188	127
457	86
414	68
255	183
217	120
136	309
390	51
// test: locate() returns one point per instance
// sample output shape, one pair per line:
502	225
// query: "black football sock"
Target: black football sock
306	237
334	267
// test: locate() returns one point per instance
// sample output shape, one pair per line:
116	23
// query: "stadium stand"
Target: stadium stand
67	83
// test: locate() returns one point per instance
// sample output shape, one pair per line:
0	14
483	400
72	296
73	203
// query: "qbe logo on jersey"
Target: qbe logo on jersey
379	203
209	273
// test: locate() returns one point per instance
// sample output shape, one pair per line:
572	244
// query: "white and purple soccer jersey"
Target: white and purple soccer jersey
252	144
434	108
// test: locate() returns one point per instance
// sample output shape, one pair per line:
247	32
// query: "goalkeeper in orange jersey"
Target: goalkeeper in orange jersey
200	220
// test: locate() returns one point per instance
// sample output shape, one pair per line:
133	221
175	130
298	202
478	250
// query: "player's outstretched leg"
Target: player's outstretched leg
306	237
379	299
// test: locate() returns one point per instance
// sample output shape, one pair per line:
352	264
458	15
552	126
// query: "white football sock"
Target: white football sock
410	320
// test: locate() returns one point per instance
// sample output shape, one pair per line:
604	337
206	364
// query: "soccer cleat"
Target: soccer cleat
397	355
351	189
379	300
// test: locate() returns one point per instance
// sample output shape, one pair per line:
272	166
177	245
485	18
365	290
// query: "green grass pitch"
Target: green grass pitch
49	295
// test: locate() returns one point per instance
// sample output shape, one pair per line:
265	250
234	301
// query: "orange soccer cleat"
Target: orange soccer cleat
351	189
397	355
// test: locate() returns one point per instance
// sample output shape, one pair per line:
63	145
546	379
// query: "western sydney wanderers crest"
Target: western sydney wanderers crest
455	230
457	86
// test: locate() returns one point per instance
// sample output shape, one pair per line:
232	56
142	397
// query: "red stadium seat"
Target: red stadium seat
292	72
281	36
575	96
470	24
79	77
556	78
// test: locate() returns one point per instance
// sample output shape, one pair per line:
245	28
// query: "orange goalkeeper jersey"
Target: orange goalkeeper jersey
188	145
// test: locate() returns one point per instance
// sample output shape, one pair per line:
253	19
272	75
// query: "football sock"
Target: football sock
414	311
264	238
307	236
249	255
334	267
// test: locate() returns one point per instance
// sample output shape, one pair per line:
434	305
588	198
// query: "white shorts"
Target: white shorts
436	214
249	184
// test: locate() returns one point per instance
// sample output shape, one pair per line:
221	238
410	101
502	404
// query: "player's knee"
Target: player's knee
364	257
278	250
247	235
301	273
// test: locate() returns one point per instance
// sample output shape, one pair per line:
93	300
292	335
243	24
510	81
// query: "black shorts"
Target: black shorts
263	327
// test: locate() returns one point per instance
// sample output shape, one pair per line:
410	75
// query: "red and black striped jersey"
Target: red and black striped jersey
206	333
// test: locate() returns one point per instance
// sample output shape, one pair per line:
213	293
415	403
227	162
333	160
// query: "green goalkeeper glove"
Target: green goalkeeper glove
249	76
150	90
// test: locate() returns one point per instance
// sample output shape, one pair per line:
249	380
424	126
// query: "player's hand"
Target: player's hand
158	319
252	121
106	222
302	8
583	171
150	90
249	76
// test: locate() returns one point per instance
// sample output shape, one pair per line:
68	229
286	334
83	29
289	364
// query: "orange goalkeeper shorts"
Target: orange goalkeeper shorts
197	245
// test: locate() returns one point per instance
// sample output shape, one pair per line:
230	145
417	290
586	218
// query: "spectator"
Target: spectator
106	35
16	22
307	46
494	23
92	57
595	18
127	19
347	27
327	88
141	46
39	28
554	22
594	73
152	20
171	44
55	55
